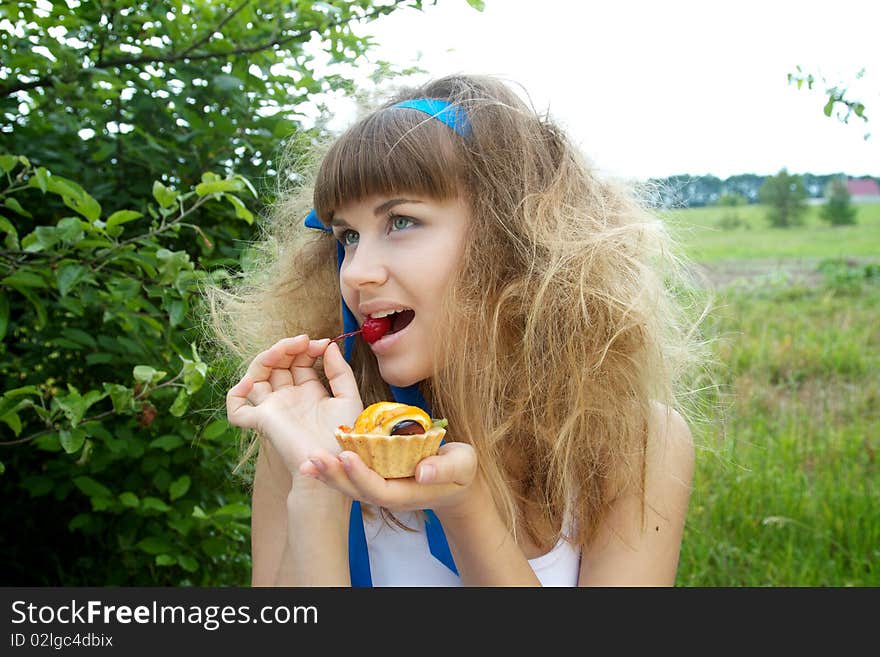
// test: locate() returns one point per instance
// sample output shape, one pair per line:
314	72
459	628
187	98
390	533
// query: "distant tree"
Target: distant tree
784	195
731	200
838	210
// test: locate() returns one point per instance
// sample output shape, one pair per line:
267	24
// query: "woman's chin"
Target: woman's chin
397	377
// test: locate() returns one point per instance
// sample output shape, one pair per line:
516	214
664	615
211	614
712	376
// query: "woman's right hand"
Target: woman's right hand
282	398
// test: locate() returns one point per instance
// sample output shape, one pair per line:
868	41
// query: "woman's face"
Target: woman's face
400	253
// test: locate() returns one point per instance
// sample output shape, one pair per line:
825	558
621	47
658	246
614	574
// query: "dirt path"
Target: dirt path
796	271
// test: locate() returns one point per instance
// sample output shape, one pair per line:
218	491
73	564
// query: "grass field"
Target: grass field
699	232
786	488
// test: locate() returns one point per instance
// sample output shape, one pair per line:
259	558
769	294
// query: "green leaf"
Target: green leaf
81	337
115	221
155	545
15	206
71	441
40	179
164	196
165	560
72	404
22	391
8	162
167	442
91	487
188	563
177	312
479	5
147	374
214	547
181	402
21	279
129	499
87	207
199	512
13	421
121	397
829	106
215	429
42	237
69	276
230	185
236	510
194	375
179	487
70	230
37	303
241	212
155	504
7	227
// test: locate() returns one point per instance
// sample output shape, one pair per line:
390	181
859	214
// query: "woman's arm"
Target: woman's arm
484	550
299	528
272	485
628	552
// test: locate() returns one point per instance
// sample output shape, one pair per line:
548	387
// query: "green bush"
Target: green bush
115	471
838	209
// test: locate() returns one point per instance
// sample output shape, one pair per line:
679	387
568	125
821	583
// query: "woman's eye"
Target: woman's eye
399	222
344	237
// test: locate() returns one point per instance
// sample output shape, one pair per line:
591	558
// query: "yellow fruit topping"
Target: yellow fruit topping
382	417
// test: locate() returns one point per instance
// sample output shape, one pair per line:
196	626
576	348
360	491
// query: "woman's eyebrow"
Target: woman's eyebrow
380	209
387	205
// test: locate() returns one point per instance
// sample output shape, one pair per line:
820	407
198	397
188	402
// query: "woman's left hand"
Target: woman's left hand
443	481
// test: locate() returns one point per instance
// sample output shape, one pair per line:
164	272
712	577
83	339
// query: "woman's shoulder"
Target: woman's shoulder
670	447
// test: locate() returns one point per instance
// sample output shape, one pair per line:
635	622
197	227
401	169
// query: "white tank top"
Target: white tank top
402	558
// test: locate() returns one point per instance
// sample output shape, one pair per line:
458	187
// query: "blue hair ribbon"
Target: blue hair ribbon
358	553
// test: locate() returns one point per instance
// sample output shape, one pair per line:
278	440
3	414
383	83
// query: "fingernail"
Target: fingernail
346	463
427	473
319	464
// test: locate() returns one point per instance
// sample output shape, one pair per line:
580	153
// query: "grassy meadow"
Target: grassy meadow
786	487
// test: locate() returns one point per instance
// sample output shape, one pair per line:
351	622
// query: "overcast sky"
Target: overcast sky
666	87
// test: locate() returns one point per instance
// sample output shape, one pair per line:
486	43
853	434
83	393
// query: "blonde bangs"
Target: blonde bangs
394	151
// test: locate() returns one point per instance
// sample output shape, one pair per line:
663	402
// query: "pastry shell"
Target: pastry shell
392	457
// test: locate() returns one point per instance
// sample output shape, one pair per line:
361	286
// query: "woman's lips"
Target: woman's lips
389	341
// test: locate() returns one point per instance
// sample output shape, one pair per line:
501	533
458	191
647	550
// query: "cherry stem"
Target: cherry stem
345	335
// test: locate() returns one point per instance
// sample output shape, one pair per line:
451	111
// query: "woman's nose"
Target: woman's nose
364	265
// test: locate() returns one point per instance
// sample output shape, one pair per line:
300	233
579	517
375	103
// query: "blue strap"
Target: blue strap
453	116
358	553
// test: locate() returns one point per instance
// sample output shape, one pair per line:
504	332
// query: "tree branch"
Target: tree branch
49	80
217	28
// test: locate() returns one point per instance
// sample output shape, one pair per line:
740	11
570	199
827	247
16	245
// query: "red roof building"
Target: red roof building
863	187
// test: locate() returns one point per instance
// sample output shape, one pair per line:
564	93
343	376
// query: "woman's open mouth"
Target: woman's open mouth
399	322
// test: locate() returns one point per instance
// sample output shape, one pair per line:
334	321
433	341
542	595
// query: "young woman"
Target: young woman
539	311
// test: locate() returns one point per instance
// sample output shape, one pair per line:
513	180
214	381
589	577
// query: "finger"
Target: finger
455	463
323	465
262	365
238	412
258	392
302	367
370	486
281	357
339	374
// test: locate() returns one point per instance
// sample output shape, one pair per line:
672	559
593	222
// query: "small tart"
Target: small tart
392	457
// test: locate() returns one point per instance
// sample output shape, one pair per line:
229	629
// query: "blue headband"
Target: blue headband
358	554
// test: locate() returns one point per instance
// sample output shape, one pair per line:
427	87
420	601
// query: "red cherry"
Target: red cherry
374	328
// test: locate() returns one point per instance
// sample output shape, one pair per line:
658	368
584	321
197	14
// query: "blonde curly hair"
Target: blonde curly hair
570	313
